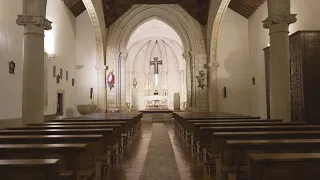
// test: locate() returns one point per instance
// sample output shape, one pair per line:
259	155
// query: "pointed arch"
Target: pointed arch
140	14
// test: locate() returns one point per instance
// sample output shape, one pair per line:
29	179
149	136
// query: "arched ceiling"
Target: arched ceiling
153	28
199	9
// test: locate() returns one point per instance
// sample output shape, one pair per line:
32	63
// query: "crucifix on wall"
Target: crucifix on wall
156	62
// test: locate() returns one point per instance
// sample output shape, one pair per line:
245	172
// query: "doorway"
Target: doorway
60	104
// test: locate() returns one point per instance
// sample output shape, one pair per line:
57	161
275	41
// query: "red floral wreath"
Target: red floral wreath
110	80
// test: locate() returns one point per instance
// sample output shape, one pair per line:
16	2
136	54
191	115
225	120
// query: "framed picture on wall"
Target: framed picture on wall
61	73
67	75
54	71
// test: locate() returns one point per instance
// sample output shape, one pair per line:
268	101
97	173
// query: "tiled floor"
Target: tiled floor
132	165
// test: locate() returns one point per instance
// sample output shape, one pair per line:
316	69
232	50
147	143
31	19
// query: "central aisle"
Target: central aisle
160	163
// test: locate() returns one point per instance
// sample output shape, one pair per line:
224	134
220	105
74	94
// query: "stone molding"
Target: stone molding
213	66
40	21
99	28
177	19
279	19
123	55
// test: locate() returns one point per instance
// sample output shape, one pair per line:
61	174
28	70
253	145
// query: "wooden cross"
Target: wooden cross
156	62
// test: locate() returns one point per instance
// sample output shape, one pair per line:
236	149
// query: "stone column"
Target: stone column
213	86
101	88
122	80
191	102
278	21
34	22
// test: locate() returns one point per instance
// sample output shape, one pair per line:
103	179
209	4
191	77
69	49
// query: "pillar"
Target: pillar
213	86
191	98
34	22
122	81
278	21
101	88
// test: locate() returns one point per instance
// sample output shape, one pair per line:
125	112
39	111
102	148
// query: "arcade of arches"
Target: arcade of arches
156	56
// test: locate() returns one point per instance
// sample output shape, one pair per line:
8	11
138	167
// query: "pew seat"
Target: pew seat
29	169
288	166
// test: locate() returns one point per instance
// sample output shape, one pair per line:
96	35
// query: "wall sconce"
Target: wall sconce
51	56
225	92
201	79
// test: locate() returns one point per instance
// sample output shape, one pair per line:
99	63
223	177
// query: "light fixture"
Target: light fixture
51	56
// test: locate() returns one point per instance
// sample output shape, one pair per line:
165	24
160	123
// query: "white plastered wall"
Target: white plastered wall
234	72
86	55
59	41
11	40
307	18
189	30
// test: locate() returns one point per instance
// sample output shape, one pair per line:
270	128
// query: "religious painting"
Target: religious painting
110	79
54	71
91	93
73	81
12	67
61	73
58	79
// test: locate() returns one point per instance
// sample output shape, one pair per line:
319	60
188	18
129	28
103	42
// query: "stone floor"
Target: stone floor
133	163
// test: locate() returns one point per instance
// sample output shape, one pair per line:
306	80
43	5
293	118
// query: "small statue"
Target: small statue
201	79
135	83
111	79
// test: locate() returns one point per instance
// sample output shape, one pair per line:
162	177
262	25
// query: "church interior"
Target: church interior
159	89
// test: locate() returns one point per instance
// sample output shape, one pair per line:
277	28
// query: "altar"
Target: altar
155	102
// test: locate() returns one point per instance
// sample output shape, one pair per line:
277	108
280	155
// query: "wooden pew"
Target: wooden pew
98	156
30	169
203	134
132	125
288	166
72	156
122	123
219	141
235	160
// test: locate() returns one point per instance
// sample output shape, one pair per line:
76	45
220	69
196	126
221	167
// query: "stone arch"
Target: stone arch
95	11
98	23
189	30
165	13
216	12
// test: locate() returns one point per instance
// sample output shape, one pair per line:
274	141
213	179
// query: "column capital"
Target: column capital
279	19
188	55
100	67
40	21
123	55
213	66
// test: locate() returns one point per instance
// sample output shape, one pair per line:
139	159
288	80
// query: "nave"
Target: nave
191	145
134	159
